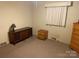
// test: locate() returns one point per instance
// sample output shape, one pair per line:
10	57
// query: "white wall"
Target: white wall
19	13
62	34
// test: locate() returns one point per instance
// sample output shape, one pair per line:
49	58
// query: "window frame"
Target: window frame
50	24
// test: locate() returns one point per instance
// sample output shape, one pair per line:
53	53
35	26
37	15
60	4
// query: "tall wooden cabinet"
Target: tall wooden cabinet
75	37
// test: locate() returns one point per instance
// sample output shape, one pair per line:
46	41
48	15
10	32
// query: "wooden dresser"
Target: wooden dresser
19	34
75	37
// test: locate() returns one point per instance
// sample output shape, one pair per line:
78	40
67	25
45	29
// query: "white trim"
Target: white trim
57	4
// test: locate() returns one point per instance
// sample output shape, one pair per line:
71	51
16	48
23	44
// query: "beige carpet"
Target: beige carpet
34	48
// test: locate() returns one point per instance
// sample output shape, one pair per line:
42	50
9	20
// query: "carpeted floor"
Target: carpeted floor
35	48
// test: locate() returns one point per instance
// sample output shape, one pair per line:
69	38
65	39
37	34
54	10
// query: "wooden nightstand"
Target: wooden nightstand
42	34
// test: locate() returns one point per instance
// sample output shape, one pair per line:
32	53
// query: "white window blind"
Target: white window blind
56	16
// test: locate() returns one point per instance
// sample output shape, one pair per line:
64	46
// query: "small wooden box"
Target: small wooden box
42	34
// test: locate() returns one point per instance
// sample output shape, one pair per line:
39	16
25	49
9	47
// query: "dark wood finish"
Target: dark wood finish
75	37
19	34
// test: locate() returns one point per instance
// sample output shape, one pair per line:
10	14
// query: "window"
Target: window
56	13
56	16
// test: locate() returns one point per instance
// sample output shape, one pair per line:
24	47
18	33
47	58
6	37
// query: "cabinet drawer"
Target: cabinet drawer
42	34
75	37
76	26
75	47
76	32
24	35
75	41
30	32
42	37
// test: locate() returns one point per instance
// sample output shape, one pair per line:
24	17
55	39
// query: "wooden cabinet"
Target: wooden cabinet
19	34
42	34
75	37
